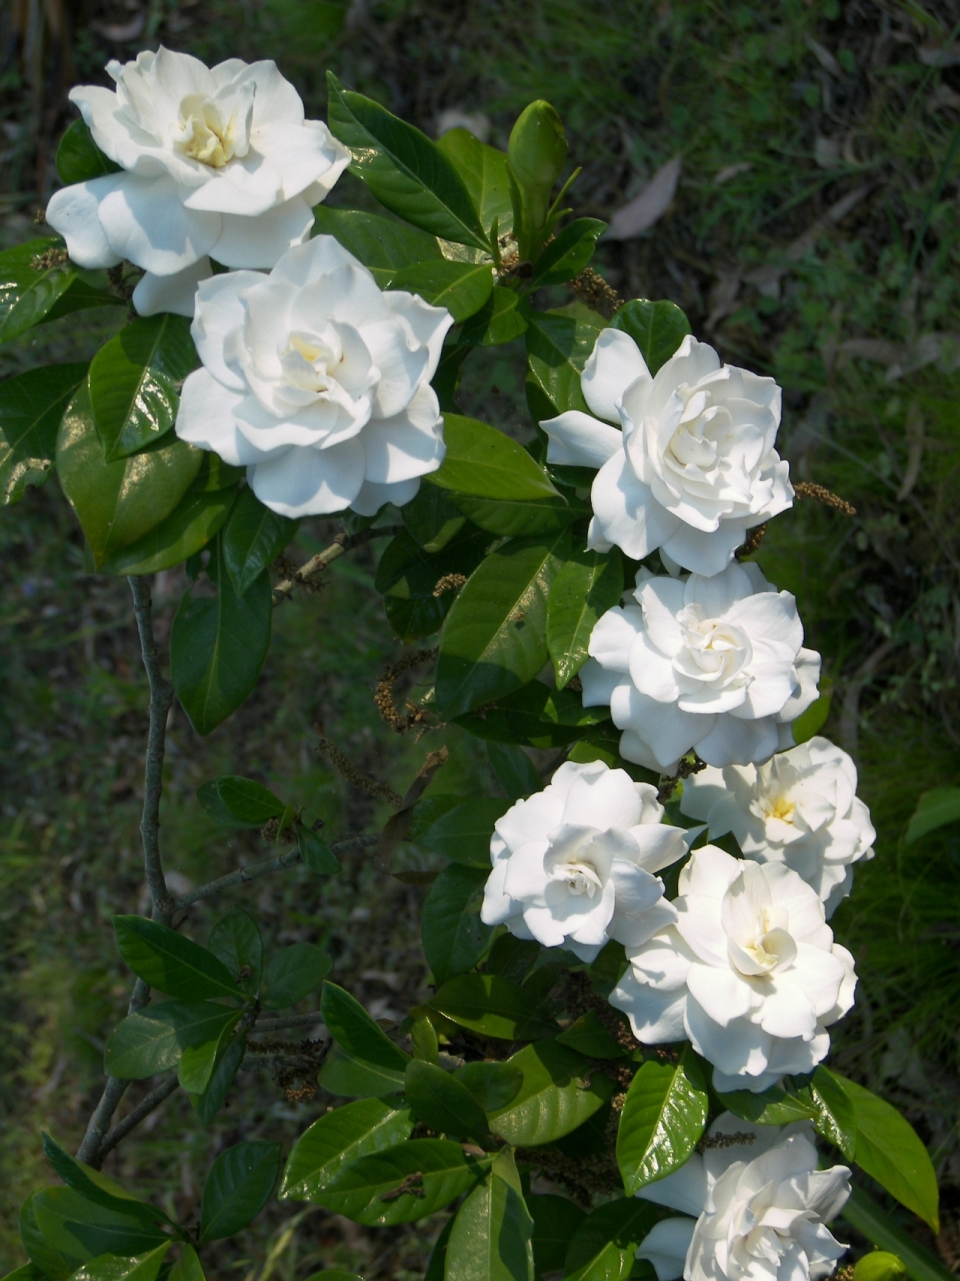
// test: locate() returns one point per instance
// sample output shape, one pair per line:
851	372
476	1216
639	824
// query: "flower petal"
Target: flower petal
176	294
207	418
145	222
220	311
310	482
625	511
75	213
262	241
577	440
613	365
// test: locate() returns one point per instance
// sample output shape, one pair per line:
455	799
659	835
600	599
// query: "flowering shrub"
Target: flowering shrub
616	1005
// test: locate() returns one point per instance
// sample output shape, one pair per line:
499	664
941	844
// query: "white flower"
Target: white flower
573	865
316	381
760	1206
213	164
801	808
750	973
716	664
694	466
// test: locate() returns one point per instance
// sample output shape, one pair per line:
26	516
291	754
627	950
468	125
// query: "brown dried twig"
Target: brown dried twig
364	782
591	288
383	696
807	489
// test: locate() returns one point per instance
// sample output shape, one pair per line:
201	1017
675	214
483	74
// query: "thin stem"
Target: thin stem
133	1119
342	543
266	1026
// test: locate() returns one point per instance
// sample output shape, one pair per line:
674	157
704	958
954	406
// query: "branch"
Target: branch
342	543
266	1026
133	1119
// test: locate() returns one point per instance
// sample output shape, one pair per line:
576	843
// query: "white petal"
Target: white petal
206	417
736	742
613	636
625	511
310	482
176	294
301	155
613	365
276	101
684	1190
666	1245
372	497
598	684
704	552
145	222
262	241
248	186
75	213
220	311
577	440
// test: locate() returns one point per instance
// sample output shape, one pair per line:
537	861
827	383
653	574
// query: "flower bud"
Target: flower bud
537	152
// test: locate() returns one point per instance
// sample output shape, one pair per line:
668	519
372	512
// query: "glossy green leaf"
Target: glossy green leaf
118	503
519	519
31	408
463	831
461	287
226	1066
32	277
209	798
454	937
482	461
568	253
217	647
237	1187
190	526
153	1039
187	1267
383	245
488	1004
499	320
559	344
814	718
112	1267
493	1085
588	584
316	853
432	518
835	1119
195	1069
491	1239
135	380
170	962
403	1183
407	575
94	1186
26	1272
79	158
45	1260
82	294
406	172
658	329
514	770
352	1027
935	809
663	1119
235	941
248	800
560	1090
442	1103
484	172
587	1035
604	1246
555	1221
772	1107
494	639
253	538
426	1043
436	1264
81	1228
338	1138
349	1077
513	958
292	973
537	716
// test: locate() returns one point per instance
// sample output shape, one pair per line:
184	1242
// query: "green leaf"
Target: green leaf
209	798
834	1110
519	519
190	526
658	329
493	1085
484	462
514	770
28	287
488	1004
153	1039
461	287
588	584
26	1272
31	407
494	639
401	1184
436	1264
379	243
316	853
463	832
587	1035
171	963
537	716
513	958
814	718
352	1027
187	1267
98	1188
237	1187
79	159
45	1260
604	1246
349	1077
135	380
935	808
558	345
773	1107
442	1103
118	503
491	1239
407	575
426	1044
217	647
406	172
111	1267
195	1069
225	1068
567	255
235	941
877	1225
560	1090
663	1119
81	295
484	172
253	538
293	973
499	320
334	1274
338	1138
555	1221
454	937
248	800
432	518
78	1227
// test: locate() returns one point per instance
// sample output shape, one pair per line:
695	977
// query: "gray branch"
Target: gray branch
133	1118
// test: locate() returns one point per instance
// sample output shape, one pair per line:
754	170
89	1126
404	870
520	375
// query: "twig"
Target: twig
133	1119
388	678
397	827
342	543
807	489
363	782
289	1020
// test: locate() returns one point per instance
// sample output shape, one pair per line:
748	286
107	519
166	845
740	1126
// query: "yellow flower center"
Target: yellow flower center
205	135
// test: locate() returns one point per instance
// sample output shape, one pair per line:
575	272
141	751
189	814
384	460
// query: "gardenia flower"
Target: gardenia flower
711	664
316	381
693	467
760	1207
749	974
573	865
801	808
213	164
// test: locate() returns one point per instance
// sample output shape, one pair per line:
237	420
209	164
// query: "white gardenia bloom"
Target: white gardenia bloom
690	466
317	381
801	808
574	865
759	1204
749	974
214	163
712	664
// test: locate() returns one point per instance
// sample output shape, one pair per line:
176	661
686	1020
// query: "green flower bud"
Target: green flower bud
537	152
879	1266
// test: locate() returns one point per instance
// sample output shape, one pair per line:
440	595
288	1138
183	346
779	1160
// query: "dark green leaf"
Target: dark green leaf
432	518
252	539
316	853
604	1246
408	576
46	1261
81	295
488	1004
338	1138
380	243
118	503
135	380
536	716
514	770
225	1068
834	1110
237	1187
558	346
454	937
153	1040
352	1027
195	1069
215	474
209	798
588	584
78	1227
405	170
97	1187
493	1085
187	1267
555	1220
560	1090
773	1107
31	407
494	639
235	940
587	1035
436	1264
876	1224
334	1274
187	530
217	647
513	958
935	809
171	963
403	1183
248	800
520	519
32	277
484	462
663	1118
567	255
658	329
814	718
442	1103
461	287
463	831
79	158
293	973
426	1044
492	1234
484	172
499	320
353	1078
26	1272
111	1267
590	1139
